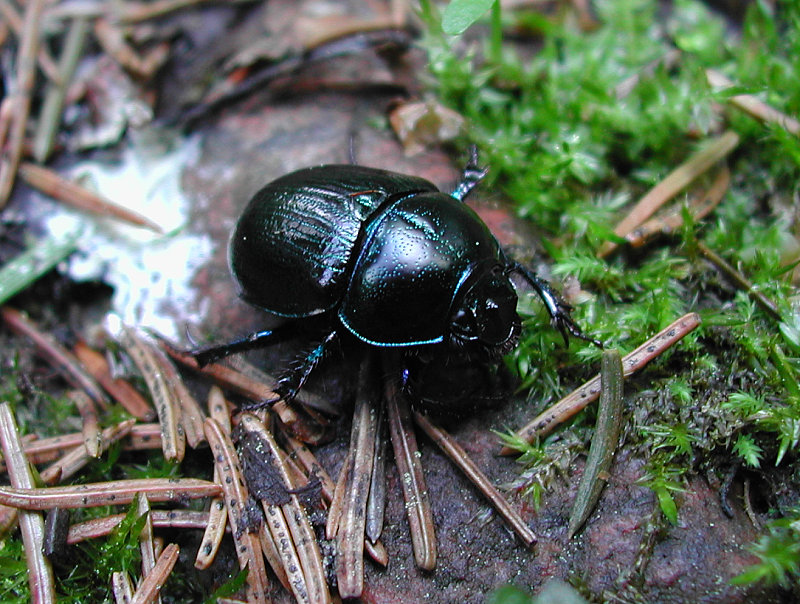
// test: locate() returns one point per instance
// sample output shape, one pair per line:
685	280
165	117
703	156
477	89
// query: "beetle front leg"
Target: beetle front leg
470	177
559	310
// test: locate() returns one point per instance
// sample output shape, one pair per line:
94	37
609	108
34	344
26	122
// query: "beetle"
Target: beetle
391	260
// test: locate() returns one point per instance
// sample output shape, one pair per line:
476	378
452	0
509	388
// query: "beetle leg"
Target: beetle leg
291	382
259	339
470	177
559	310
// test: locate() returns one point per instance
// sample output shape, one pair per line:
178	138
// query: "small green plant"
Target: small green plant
587	124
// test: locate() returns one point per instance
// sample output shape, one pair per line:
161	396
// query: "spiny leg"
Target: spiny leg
470	177
293	380
558	309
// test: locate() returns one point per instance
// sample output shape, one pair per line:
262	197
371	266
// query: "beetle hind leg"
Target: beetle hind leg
293	380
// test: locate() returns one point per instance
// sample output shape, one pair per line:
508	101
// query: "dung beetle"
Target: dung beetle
390	259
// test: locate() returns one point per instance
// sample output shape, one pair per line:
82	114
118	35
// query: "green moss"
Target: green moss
583	125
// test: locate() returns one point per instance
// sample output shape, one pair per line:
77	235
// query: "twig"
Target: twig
415	492
71	193
674	182
464	463
40	573
579	398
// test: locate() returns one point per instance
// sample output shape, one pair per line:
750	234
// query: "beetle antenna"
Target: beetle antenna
471	175
559	310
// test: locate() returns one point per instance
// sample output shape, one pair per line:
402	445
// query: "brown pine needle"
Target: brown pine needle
225	376
118	492
464	463
352	522
699	208
71	463
753	105
71	193
146	546
40	573
168	409
54	353
579	398
44	59
149	588
92	438
121	587
313	587
120	390
22	92
248	546
191	415
102	527
407	459
671	185
217	514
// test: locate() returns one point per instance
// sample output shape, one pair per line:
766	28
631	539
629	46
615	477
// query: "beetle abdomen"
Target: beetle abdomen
415	257
292	245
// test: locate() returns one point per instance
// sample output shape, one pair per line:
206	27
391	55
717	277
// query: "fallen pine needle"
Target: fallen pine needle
579	398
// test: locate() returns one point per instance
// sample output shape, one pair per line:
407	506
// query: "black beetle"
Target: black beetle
390	259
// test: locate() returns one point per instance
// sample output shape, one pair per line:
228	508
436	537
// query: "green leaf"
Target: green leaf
461	14
666	503
19	272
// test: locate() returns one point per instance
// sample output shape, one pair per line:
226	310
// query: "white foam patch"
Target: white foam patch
150	272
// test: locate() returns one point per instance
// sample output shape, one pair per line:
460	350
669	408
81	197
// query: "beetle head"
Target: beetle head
487	314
